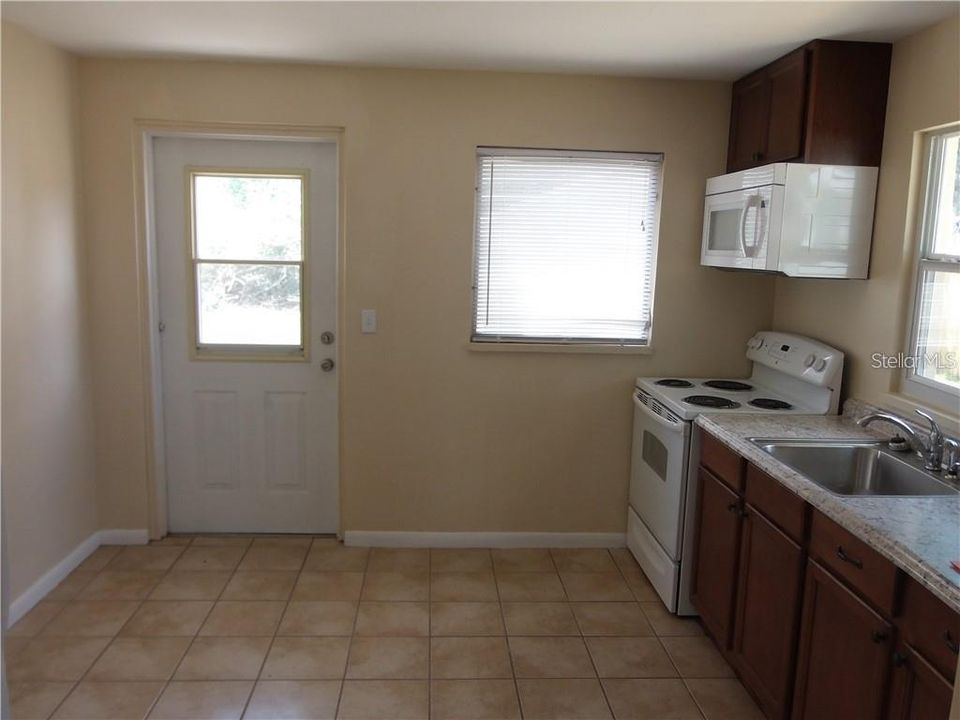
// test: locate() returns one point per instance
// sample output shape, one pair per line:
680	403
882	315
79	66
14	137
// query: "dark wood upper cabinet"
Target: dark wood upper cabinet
768	612
822	103
749	119
717	549
787	79
845	650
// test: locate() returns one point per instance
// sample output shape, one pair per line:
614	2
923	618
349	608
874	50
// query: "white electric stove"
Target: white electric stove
791	375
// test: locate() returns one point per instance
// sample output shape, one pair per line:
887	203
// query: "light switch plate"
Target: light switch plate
368	321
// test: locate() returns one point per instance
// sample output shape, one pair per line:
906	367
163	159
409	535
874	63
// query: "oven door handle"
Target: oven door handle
670	425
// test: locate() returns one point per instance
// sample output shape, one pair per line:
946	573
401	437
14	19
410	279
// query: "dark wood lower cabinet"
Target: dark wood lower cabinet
808	614
718	544
918	691
844	656
768	612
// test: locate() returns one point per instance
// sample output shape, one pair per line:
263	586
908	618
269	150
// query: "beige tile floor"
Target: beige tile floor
298	627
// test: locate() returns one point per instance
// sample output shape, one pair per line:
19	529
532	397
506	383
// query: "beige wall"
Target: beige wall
434	437
49	491
867	316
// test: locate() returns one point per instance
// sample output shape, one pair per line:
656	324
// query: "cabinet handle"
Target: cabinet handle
951	643
734	507
847	559
878	636
899	660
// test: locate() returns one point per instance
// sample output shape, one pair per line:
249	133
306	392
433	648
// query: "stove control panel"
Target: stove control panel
798	356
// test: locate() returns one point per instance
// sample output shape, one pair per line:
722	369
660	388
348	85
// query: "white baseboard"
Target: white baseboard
52	577
373	538
124	537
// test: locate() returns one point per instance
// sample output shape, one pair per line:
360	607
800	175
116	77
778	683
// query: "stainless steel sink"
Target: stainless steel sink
851	467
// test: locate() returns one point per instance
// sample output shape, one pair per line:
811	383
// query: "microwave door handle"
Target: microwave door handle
761	227
669	425
752	201
742	233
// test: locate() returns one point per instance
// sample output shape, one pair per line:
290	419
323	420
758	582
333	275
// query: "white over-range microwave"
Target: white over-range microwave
801	220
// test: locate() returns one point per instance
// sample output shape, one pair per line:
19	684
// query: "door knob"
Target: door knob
327	365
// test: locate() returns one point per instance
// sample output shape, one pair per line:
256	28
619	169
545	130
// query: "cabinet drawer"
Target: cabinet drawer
931	627
782	507
864	569
722	461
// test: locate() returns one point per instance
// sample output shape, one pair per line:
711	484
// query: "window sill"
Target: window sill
580	349
906	405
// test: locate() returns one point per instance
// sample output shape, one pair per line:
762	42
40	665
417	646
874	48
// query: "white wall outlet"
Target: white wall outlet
368	321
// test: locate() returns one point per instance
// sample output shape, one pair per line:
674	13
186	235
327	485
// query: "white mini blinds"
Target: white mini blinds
566	246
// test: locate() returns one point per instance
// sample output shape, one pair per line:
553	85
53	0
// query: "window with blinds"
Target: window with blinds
566	246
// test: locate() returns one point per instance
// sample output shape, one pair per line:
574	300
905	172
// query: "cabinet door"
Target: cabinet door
748	122
768	611
715	567
918	692
788	92
845	651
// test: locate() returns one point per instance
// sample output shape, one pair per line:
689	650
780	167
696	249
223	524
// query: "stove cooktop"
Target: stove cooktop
688	397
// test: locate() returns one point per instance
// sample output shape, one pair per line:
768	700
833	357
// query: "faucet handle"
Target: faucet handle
952	459
935	432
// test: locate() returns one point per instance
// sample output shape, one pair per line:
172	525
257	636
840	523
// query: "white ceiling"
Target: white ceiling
718	40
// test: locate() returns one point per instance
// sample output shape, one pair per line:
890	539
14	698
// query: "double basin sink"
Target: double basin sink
855	467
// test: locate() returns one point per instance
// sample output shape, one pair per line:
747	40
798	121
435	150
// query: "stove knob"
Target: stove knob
809	360
820	365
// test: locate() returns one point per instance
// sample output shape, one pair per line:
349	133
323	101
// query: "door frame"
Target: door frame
145	130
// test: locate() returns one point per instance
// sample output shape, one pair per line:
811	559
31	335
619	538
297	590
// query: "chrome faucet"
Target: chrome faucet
931	450
951	458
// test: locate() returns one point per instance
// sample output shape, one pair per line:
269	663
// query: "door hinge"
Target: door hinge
161	326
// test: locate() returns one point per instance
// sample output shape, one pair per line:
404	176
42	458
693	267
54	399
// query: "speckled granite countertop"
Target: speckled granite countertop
921	535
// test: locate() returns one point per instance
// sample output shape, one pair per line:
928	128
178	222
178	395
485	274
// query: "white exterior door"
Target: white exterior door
246	243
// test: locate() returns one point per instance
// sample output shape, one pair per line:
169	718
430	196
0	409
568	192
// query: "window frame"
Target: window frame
553	344
914	385
221	352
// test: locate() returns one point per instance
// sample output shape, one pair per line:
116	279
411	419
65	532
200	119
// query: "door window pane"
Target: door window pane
249	304
239	217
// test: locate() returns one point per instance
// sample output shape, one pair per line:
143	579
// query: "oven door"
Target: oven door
658	470
739	227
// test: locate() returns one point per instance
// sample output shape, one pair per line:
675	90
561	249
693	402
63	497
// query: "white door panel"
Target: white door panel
251	440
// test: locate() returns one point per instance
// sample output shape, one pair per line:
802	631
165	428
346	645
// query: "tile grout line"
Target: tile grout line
506	637
76	598
203	622
659	641
353	631
113	637
276	628
429	637
700	709
593	663
166	683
